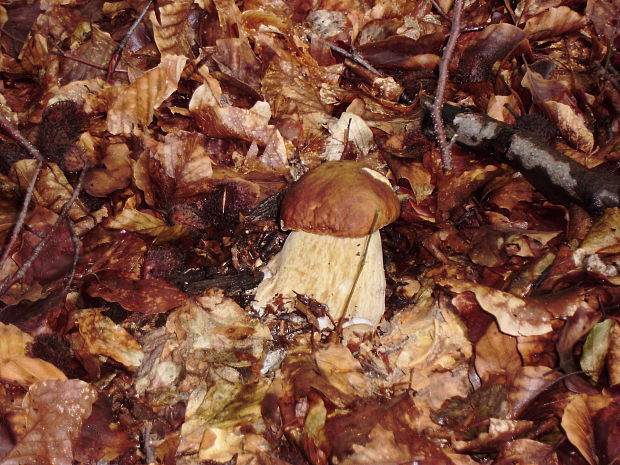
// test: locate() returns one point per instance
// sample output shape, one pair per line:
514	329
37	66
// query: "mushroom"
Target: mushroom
333	253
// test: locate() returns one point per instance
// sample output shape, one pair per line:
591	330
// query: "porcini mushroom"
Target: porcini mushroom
335	212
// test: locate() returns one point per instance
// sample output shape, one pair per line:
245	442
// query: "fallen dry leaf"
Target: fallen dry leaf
133	108
103	337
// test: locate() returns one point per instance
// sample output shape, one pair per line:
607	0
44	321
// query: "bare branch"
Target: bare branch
440	133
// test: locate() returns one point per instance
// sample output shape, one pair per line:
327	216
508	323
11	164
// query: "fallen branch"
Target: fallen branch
555	175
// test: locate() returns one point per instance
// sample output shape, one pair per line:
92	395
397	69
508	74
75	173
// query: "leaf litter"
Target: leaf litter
133	337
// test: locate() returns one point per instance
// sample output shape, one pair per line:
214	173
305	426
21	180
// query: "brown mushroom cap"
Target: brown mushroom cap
339	198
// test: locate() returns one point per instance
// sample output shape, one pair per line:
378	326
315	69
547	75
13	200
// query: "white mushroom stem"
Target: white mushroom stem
325	268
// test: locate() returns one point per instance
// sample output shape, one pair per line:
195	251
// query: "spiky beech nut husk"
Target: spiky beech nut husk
341	199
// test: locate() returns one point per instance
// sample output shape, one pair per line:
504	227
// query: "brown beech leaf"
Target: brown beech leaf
25	371
130	219
527	452
100	438
153	295
572	125
54	412
496	354
174	36
515	316
218	120
133	109
237	61
182	161
529	382
553	22
404	52
599	12
348	129
116	174
577	423
103	337
343	371
13	341
52	190
115	251
607	433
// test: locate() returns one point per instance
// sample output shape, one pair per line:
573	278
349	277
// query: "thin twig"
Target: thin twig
116	56
351	56
12	131
75	240
23	269
17	137
63	54
440	10
21	217
440	133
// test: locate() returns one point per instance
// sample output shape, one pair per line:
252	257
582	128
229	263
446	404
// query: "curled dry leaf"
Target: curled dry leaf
133	108
182	160
218	120
613	357
553	22
116	174
560	105
103	337
348	129
174	36
515	316
54	413
572	125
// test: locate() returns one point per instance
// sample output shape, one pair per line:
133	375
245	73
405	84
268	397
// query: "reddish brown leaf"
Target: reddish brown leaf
145	296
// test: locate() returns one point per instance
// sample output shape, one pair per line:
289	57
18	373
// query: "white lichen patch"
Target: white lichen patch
473	129
532	155
324	268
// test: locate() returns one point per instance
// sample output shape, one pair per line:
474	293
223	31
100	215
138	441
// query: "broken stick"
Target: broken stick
552	173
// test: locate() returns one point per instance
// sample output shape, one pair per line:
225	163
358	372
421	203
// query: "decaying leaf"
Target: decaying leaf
554	21
54	412
217	120
102	337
